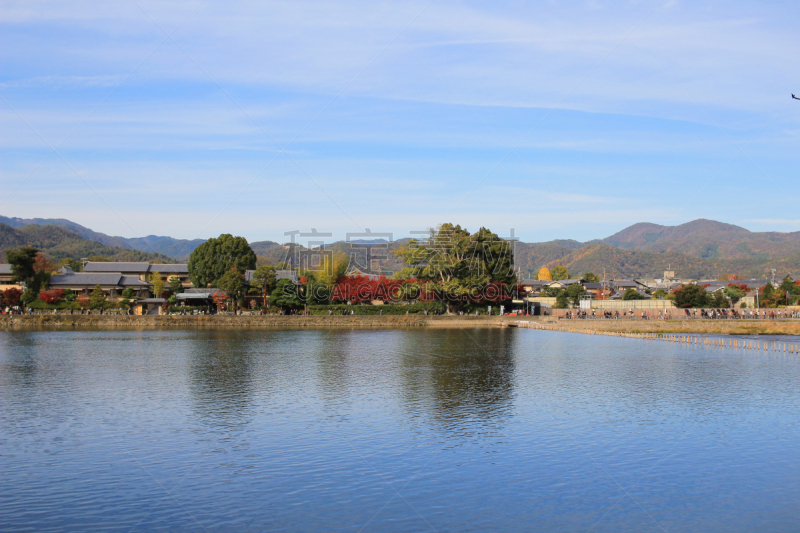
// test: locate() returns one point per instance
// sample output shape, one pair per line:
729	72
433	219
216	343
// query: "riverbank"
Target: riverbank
256	321
697	327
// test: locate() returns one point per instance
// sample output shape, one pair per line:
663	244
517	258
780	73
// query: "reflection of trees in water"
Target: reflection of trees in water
222	381
333	354
465	376
20	373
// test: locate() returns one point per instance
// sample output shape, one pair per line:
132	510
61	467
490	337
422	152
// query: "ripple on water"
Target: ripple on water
392	430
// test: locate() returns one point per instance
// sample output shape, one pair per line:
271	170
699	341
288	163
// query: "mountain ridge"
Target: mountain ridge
59	243
698	248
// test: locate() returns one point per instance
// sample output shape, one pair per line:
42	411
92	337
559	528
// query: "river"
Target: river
393	430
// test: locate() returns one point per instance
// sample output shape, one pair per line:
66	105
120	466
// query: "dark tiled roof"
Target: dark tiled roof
105	266
132	281
5	268
150	301
138	267
86	279
570	281
175	268
535	282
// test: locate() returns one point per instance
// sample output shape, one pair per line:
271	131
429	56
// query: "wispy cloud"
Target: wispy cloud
462	96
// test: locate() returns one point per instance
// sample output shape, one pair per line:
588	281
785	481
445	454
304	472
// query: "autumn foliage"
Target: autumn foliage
53	296
364	289
42	264
12	296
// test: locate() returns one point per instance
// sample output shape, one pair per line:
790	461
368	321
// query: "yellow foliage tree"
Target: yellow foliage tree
544	274
158	284
333	267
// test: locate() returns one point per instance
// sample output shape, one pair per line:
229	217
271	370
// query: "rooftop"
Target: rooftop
137	267
86	279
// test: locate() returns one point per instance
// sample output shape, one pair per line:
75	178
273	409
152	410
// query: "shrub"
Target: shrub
389	309
53	296
12	296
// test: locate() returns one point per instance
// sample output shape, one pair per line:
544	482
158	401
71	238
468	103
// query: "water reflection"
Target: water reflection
465	376
222	377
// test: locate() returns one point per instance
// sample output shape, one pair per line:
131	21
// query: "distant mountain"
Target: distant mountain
698	249
270	251
707	239
174	248
618	263
58	243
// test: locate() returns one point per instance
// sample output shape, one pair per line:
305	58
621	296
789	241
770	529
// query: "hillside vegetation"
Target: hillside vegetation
706	239
174	248
58	243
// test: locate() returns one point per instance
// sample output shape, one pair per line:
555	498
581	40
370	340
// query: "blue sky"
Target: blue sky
557	119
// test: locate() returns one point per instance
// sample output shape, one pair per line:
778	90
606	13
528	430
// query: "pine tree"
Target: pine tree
97	299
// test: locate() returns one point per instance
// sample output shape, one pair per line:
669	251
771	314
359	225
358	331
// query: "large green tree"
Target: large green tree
458	263
691	296
591	277
632	294
286	295
263	281
575	292
212	259
232	282
559	272
22	262
23	269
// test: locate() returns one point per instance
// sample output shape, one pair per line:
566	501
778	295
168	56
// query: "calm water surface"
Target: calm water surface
393	430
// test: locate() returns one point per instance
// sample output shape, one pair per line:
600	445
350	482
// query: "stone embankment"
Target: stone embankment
255	321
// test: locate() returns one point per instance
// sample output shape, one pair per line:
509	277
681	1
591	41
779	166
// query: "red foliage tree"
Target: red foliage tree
53	296
12	296
220	298
43	264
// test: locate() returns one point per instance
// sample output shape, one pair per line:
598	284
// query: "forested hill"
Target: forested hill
174	248
59	243
616	263
706	238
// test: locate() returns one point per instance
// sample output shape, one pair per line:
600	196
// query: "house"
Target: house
621	285
564	283
142	270
593	289
533	286
619	294
149	306
111	283
5	278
